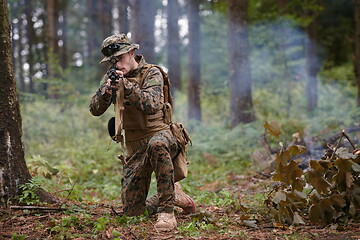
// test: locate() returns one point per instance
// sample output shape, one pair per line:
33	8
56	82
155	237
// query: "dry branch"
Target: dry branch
38	208
333	138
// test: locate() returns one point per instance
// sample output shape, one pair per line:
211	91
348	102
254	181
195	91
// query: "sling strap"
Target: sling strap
119	118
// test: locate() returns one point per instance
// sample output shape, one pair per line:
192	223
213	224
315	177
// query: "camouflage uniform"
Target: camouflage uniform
151	152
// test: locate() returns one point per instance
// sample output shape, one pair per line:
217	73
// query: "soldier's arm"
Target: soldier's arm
101	100
147	99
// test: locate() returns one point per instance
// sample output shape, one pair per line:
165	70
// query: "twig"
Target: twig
63	190
261	227
39	208
72	188
311	191
130	230
264	174
6	236
348	138
335	137
267	146
4	212
336	148
168	237
116	213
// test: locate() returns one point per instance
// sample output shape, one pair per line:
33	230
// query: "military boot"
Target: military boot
184	201
166	222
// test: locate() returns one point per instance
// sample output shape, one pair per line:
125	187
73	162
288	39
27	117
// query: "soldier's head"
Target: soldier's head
122	49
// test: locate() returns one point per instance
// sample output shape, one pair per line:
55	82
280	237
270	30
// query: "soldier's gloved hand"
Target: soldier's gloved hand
110	86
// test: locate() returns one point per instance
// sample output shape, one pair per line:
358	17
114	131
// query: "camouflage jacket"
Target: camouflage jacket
147	98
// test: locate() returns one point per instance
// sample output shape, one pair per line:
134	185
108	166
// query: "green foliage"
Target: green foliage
28	195
303	12
39	166
60	229
68	145
194	228
208	221
213	199
104	222
16	236
337	17
90	226
101	224
343	73
334	187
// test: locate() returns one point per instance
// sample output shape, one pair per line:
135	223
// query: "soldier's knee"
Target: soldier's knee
156	146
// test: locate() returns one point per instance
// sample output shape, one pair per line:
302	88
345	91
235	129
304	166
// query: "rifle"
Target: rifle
113	76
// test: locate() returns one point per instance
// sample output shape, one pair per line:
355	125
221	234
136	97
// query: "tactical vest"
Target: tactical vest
135	119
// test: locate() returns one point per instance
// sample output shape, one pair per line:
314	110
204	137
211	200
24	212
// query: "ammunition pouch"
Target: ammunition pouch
180	161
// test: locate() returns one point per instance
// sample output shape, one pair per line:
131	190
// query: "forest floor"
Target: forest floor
102	221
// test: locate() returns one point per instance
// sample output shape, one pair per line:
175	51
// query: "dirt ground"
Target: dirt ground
83	221
35	226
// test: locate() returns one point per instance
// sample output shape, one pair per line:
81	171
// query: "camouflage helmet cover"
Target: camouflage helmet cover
118	38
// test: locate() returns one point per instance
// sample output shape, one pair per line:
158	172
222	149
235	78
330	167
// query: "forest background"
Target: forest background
234	66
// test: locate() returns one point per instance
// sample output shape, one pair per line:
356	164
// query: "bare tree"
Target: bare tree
64	33
312	67
105	18
142	24
52	15
241	107
194	110
13	169
30	35
92	41
173	44
283	46
20	28
52	12
123	16
357	48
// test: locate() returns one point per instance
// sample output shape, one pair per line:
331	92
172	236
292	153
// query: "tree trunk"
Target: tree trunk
21	79
142	23
194	106
30	34
52	25
283	46
13	47
312	68
241	107
357	48
105	18
51	34
14	42
13	169
173	44
123	16
64	36
90	33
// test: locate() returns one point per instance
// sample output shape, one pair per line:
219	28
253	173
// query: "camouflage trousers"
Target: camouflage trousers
155	156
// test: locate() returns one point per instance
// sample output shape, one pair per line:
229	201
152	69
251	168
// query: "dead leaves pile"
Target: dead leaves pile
327	192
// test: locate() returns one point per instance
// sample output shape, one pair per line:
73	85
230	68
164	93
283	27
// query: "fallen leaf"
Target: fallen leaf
279	225
250	223
297	219
274	128
279	196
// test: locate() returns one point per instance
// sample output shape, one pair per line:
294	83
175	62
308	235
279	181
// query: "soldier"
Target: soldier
150	144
